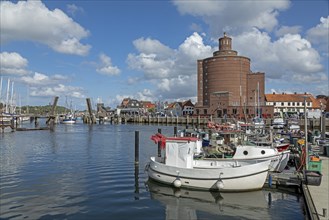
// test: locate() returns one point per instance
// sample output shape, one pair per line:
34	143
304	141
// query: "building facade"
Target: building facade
227	87
294	104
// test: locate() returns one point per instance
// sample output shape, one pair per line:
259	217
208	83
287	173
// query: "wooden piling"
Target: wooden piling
175	131
136	147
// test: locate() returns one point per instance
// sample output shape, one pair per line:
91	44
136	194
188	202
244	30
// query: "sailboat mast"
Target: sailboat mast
12	98
0	89
257	99
7	96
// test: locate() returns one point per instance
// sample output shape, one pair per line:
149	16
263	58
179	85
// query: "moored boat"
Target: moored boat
180	168
68	119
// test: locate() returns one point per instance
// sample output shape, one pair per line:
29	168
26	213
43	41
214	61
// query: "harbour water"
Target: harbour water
87	172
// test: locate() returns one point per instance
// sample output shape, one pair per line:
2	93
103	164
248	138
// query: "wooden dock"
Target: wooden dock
317	197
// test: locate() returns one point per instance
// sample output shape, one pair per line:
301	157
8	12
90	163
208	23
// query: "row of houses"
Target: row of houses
133	106
276	104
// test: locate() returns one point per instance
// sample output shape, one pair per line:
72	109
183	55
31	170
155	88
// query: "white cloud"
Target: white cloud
13	63
172	71
288	30
42	85
106	66
150	65
39	79
33	21
291	58
310	78
73	9
232	17
151	46
319	35
290	54
57	90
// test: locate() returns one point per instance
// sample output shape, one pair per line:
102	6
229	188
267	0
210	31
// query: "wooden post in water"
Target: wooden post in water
12	124
175	131
159	144
36	123
136	181
136	147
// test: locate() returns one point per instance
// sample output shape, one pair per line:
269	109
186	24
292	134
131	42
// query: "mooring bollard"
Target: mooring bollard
136	147
159	144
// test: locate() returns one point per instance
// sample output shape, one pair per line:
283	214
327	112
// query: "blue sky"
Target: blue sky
148	50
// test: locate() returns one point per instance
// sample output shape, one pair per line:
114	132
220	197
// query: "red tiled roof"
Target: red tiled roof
292	98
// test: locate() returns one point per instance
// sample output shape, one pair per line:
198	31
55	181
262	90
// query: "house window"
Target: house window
282	103
297	103
205	111
293	104
288	103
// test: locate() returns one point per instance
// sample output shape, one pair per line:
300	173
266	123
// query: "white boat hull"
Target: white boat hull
279	160
212	175
68	122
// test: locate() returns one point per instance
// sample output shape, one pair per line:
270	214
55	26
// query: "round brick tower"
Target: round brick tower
222	80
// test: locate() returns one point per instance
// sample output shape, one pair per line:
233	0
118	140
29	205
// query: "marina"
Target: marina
110	110
62	157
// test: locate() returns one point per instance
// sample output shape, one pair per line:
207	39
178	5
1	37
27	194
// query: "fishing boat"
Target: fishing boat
179	167
278	123
233	144
68	119
258	122
279	160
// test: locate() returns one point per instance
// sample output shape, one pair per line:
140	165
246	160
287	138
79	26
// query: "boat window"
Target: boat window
262	152
245	152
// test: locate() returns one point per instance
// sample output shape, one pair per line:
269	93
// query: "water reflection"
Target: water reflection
185	204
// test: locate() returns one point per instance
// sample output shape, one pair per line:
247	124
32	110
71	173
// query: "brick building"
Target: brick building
226	85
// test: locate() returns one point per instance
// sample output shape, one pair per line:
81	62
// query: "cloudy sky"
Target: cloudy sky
148	50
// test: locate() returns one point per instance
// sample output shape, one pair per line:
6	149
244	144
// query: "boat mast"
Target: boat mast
7	96
257	99
255	106
305	123
0	89
12	98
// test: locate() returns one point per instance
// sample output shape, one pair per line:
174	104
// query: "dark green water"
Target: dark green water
88	172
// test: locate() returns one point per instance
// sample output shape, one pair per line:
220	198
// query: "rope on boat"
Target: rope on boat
303	159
